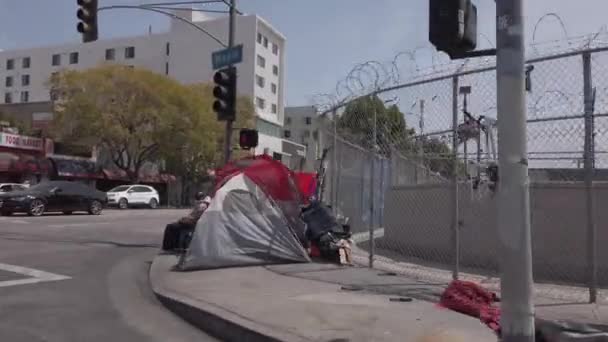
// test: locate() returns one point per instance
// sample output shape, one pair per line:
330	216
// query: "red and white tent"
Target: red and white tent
253	218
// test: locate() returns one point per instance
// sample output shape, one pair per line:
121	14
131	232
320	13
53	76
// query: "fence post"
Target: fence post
372	209
455	211
589	156
339	157
334	160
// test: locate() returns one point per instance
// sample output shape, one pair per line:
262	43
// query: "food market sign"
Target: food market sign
21	141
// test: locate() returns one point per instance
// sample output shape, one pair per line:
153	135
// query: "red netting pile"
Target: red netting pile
471	299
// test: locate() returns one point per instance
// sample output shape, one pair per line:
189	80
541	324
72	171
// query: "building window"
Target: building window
259	80
275	49
130	52
273	88
260	103
315	135
168	49
166	68
110	54
287	134
274	108
25	96
265	42
259	38
308	120
275	70
261	61
8	82
56	60
288	121
26	62
10	64
8	98
74	58
25	80
306	134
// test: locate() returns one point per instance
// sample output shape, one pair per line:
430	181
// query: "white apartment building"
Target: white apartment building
304	126
183	53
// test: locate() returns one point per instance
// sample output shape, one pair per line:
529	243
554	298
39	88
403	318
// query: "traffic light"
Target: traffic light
453	26
248	138
87	14
225	94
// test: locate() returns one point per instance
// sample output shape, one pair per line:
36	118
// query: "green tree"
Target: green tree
23	126
201	148
357	124
136	115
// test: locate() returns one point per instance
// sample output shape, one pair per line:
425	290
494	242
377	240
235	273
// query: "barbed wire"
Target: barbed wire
372	77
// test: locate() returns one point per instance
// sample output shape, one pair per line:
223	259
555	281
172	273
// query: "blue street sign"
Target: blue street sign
226	57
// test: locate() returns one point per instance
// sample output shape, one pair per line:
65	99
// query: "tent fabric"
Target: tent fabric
307	184
275	179
243	226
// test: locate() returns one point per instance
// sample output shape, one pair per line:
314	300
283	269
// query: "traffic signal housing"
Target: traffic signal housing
225	94
453	26
248	138
87	14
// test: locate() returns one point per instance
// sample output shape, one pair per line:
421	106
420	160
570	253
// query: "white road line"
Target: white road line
66	225
14	221
35	276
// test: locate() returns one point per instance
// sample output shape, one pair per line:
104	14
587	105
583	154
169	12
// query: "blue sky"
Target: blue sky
325	37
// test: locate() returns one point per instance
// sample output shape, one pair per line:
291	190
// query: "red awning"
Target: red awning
23	163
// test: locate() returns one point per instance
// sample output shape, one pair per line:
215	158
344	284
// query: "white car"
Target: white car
125	196
9	187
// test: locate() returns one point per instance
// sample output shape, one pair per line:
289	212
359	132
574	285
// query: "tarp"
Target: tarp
245	226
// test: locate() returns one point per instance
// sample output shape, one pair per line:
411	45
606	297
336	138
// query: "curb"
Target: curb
210	318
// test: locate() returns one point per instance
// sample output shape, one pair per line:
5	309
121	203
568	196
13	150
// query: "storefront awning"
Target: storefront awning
14	162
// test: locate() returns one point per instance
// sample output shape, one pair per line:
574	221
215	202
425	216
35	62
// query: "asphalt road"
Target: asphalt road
85	278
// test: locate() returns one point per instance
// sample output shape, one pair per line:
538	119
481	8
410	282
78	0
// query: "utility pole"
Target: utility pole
513	197
231	29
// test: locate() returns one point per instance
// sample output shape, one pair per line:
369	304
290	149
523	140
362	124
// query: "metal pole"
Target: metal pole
231	32
421	125
455	211
589	165
372	221
334	166
513	196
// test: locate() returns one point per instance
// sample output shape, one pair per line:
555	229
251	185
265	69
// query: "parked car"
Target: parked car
125	196
54	196
8	187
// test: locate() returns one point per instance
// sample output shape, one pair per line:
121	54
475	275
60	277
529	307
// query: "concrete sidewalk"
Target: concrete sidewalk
309	302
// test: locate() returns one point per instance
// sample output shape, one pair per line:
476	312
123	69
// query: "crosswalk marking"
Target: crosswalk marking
33	275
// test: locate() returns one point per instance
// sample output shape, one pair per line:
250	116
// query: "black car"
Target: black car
54	196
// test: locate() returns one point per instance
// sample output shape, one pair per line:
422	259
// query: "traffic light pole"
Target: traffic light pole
513	221
231	32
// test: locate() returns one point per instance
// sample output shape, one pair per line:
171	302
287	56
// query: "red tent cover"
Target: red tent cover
276	179
307	183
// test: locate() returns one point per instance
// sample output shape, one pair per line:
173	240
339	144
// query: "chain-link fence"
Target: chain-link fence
415	168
